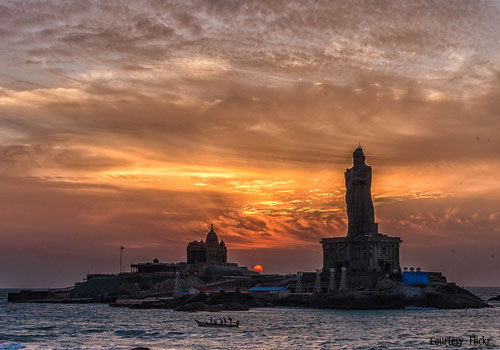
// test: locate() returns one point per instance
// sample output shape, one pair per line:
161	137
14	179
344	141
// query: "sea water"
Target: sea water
98	326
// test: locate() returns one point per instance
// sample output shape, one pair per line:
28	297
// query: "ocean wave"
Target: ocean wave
135	333
92	330
40	328
25	338
17	338
175	333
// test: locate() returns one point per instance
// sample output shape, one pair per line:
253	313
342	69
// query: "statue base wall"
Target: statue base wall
373	254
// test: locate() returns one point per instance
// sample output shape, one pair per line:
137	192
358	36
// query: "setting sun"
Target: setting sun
258	268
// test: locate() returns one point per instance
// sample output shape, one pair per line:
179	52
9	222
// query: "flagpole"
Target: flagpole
121	253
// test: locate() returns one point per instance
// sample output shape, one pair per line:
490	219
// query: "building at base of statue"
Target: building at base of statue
210	252
362	254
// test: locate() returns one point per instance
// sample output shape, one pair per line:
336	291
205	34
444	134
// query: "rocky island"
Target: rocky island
386	294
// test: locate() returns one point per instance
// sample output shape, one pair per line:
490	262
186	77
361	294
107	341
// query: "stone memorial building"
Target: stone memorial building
210	251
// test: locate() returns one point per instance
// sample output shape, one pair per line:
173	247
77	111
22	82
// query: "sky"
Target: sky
140	123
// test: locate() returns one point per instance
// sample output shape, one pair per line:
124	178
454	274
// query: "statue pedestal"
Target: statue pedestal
373	255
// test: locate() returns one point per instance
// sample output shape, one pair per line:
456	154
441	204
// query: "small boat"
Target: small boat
208	324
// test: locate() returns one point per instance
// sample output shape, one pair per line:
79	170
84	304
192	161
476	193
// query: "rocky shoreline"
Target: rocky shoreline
385	295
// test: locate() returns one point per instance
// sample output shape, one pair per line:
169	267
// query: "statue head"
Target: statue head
358	157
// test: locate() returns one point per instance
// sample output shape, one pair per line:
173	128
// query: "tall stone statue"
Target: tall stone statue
358	180
365	253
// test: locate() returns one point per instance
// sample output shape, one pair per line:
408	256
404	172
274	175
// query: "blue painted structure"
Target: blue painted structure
415	277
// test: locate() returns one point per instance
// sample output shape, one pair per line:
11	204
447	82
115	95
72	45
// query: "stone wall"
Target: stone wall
371	253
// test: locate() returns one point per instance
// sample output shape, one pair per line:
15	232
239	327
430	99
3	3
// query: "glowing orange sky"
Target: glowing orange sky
140	123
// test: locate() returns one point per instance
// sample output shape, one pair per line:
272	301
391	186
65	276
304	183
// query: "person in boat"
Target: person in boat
230	320
224	319
211	321
237	323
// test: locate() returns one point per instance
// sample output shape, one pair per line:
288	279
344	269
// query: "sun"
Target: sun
258	268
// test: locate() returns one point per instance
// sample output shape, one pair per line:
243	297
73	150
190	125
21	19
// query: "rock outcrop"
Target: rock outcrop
386	294
392	295
497	298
